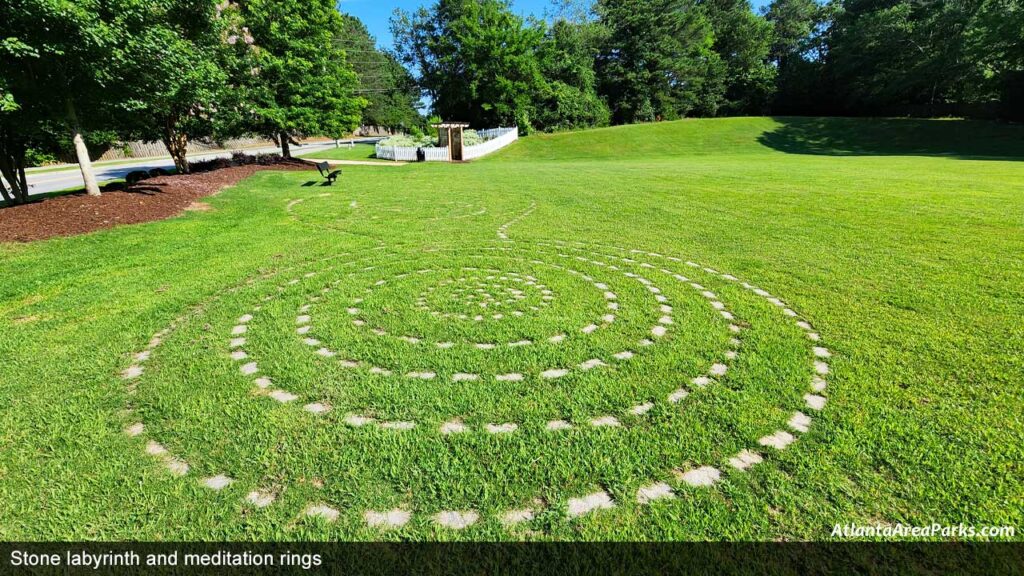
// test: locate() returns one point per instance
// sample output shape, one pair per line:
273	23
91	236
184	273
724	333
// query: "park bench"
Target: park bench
325	171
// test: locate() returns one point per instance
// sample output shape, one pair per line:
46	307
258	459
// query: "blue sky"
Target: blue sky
376	13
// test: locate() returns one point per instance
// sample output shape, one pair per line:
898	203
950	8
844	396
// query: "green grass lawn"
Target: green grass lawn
572	339
357	152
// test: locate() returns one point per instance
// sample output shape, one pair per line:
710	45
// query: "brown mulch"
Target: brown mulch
152	199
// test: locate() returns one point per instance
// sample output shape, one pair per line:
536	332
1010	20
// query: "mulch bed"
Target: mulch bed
152	199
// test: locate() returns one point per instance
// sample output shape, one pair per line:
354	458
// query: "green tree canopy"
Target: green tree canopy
476	59
658	62
297	80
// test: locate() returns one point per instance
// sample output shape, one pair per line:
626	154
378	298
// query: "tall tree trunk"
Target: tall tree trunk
12	168
286	150
177	145
82	152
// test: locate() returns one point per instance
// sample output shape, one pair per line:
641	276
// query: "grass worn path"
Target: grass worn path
375	397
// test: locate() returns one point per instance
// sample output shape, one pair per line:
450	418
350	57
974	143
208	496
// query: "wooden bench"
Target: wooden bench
325	171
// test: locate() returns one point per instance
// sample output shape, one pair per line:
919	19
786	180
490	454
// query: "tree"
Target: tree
742	41
568	98
476	59
297	81
390	90
658	62
57	69
175	64
799	49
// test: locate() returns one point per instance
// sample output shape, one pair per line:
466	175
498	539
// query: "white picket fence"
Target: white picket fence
495	139
408	153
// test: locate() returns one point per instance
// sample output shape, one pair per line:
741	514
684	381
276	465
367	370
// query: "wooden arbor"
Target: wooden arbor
449	134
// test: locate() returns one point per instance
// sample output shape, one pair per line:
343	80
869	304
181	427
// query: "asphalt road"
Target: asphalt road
41	183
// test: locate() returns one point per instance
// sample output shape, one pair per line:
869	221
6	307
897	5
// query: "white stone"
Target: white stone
520	343
155	449
605	422
237	342
317	408
554	373
135	429
501	428
484	346
596	501
326	353
666	320
641	409
445	345
822	352
132	372
800	422
302	320
239	355
779	440
357	421
557	338
311	342
303	330
718	369
821	368
245	319
818	384
514	377
462	377
398	425
624	355
717	305
411	339
659	331
734	329
321	511
588	329
555	425
727	315
518	516
249	369
591	364
218	482
814	401
658	491
701	477
259	498
645	342
745	459
262	382
282	396
380	371
731	355
804	325
143	356
678	396
456	520
177	467
391	519
453	427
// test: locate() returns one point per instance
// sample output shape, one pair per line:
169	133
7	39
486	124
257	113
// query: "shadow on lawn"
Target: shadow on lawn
962	139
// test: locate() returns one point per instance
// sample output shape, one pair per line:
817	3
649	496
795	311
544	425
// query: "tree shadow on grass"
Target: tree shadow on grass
961	139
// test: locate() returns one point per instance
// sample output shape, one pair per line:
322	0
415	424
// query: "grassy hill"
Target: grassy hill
792	135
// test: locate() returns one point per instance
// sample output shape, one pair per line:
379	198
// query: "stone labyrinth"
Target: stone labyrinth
519	381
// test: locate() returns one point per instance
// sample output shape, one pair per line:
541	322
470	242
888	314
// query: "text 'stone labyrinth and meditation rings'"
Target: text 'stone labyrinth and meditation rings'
510	385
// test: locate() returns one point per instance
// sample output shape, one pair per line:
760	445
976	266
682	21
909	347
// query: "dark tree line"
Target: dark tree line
623	61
